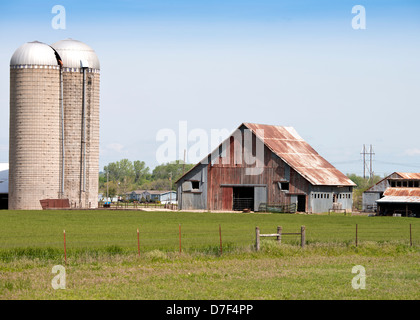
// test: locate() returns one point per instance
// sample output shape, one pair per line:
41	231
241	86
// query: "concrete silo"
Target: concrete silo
34	137
79	155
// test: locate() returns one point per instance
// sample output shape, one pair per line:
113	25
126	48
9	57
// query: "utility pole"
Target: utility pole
367	166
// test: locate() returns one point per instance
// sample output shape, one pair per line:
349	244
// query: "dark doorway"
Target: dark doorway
243	198
301	203
4	198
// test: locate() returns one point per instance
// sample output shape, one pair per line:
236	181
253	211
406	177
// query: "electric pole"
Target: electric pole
367	164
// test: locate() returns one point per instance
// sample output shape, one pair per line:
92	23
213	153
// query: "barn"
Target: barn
376	192
260	166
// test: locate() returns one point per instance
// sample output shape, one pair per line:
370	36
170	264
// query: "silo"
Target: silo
34	126
80	152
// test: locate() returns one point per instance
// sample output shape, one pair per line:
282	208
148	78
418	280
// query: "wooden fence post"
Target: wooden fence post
411	239
65	249
220	236
138	241
302	236
279	234
179	238
257	238
356	235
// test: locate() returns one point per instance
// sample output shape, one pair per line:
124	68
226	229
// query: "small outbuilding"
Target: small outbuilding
261	166
4	185
402	181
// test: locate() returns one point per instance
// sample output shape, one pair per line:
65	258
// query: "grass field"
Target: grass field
103	262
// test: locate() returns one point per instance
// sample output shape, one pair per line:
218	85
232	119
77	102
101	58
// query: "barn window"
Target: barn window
284	185
393	184
195	185
416	184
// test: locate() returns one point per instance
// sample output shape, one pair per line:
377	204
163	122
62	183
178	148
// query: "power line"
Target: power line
367	164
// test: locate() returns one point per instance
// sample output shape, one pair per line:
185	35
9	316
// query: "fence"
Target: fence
277	208
278	235
188	239
137	205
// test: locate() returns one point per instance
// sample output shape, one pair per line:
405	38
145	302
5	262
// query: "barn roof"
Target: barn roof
286	143
402	195
396	176
409	175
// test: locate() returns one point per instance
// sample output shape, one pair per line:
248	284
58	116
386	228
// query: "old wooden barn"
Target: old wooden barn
260	165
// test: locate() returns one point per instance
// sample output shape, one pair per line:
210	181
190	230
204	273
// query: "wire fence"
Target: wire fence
215	240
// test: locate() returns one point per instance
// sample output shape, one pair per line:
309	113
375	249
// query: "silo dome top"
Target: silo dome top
74	52
34	53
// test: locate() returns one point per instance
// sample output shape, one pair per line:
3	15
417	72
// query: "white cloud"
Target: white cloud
116	147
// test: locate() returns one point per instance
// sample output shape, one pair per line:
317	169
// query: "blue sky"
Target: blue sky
216	64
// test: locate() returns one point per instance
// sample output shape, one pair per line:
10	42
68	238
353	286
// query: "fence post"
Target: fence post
411	239
138	241
302	236
279	234
220	236
65	249
257	238
356	234
179	238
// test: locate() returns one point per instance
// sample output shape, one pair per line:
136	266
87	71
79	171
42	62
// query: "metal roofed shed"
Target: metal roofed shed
400	180
405	201
290	173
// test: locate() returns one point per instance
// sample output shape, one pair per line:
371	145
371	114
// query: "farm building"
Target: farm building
4	185
153	195
54	125
264	165
394	180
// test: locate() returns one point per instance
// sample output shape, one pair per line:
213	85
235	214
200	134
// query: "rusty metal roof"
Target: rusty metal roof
409	175
402	192
401	195
395	176
286	143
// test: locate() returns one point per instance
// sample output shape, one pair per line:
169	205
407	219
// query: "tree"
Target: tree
141	172
125	176
362	184
173	170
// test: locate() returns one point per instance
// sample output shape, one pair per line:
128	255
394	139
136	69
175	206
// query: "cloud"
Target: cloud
117	147
412	152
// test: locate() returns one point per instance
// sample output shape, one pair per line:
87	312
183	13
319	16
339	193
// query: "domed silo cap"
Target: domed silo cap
76	54
34	53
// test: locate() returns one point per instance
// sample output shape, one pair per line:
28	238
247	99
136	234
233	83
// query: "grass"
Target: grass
103	262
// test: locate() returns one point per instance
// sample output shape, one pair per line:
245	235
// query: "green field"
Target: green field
103	261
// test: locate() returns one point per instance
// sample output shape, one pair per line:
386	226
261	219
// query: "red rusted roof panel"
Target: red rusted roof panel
286	143
409	175
402	192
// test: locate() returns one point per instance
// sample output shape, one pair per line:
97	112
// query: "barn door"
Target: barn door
227	198
260	196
